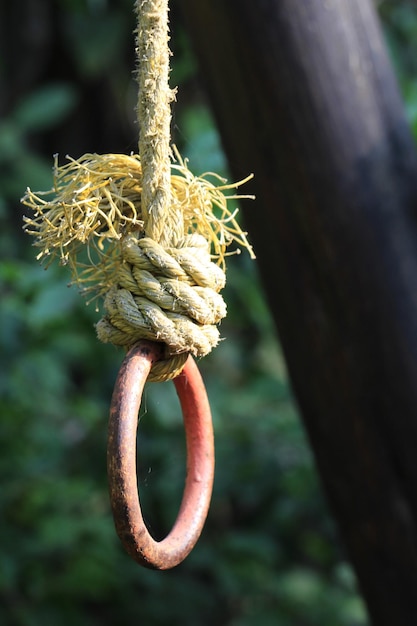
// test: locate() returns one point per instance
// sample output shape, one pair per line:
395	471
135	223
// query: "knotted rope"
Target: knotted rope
141	230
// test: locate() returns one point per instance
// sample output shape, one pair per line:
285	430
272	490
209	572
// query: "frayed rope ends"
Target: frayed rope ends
92	221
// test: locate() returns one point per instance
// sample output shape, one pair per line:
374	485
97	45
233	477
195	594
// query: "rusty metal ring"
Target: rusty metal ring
121	460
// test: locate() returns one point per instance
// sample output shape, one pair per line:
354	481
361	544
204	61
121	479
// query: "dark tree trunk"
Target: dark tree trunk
305	97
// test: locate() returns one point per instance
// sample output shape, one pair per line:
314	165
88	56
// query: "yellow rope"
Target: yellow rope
141	230
162	222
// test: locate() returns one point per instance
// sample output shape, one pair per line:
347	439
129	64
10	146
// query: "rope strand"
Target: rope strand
154	118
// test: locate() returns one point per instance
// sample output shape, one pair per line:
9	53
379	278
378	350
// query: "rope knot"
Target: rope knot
166	291
165	295
156	236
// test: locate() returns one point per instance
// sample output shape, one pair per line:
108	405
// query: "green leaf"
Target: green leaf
11	145
46	107
95	42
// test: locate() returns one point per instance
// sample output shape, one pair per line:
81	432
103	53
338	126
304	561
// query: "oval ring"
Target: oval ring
121	460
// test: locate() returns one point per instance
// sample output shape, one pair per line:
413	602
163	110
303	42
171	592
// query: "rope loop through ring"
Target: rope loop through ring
121	460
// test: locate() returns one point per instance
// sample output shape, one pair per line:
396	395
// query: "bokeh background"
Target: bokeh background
269	554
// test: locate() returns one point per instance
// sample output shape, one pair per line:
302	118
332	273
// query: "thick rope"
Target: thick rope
163	302
154	117
165	295
148	225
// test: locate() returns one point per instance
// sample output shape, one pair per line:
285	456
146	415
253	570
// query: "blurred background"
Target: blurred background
269	554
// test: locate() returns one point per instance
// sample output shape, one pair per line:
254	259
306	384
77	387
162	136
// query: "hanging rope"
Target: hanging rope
162	222
149	238
141	231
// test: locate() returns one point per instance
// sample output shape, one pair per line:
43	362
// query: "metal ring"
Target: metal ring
121	460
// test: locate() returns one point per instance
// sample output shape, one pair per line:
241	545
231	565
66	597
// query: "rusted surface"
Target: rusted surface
121	460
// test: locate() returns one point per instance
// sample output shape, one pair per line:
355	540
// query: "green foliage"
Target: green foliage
400	20
267	552
45	108
96	38
40	110
202	144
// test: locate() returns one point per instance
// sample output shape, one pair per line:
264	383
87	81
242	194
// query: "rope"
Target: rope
156	298
162	223
165	295
154	118
148	225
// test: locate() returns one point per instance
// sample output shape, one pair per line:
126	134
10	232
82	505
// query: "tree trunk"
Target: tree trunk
305	97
